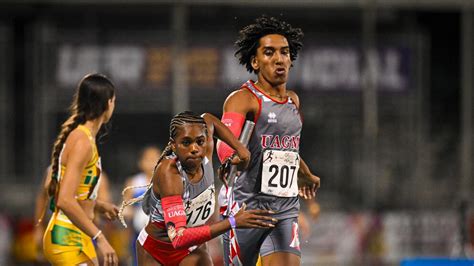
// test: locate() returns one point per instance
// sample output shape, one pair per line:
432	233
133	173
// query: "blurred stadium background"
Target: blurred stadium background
386	88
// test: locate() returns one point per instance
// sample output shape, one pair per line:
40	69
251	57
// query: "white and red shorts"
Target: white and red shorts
163	252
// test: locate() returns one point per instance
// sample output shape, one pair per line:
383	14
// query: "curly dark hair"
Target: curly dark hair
249	37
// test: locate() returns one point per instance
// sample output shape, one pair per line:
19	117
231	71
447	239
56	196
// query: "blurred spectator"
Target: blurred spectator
135	216
5	240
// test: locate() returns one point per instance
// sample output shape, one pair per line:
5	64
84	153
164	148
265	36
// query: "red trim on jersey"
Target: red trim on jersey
257	116
268	96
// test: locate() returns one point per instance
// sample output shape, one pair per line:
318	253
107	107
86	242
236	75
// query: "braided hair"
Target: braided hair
249	37
90	102
179	120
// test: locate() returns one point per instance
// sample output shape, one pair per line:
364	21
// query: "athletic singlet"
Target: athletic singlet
270	181
89	185
198	198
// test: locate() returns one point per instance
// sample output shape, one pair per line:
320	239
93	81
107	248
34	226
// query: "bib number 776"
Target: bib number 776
280	173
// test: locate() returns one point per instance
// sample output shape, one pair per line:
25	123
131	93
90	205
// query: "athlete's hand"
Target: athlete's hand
108	210
223	171
38	236
242	159
254	218
308	185
108	253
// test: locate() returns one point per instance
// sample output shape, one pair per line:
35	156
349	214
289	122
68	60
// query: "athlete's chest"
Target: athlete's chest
279	126
277	117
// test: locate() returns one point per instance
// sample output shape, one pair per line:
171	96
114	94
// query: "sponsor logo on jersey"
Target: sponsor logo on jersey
272	118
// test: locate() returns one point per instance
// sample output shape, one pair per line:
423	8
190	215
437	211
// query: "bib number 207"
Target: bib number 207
284	173
279	173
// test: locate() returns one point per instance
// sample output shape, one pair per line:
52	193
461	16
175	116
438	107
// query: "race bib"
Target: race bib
280	173
200	209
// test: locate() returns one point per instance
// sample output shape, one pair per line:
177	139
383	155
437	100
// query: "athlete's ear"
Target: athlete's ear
254	63
172	145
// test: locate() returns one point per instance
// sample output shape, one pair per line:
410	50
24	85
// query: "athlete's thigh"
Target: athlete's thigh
198	257
143	258
281	259
282	245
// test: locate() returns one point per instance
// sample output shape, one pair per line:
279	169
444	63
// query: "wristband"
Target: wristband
97	235
232	222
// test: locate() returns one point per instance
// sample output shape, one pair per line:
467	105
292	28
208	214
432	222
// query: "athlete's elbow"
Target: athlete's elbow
64	203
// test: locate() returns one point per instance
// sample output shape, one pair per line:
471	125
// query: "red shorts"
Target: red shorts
163	252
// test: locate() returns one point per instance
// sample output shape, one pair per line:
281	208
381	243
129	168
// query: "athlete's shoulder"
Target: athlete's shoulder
77	138
294	97
241	94
167	167
241	101
167	178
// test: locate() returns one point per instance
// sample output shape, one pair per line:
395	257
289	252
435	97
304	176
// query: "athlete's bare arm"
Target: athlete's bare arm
307	181
241	101
294	97
216	127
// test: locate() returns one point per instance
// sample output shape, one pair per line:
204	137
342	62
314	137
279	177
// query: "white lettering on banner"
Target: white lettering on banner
74	62
389	73
339	68
233	72
125	64
333	68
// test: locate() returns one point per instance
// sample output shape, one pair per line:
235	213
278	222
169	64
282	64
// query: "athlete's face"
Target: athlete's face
190	145
272	60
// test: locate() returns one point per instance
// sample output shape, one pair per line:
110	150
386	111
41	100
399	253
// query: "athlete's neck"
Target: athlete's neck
193	174
93	126
277	91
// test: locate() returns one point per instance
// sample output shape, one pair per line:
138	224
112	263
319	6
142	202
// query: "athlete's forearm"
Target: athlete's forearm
304	170
42	198
223	133
40	206
77	215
